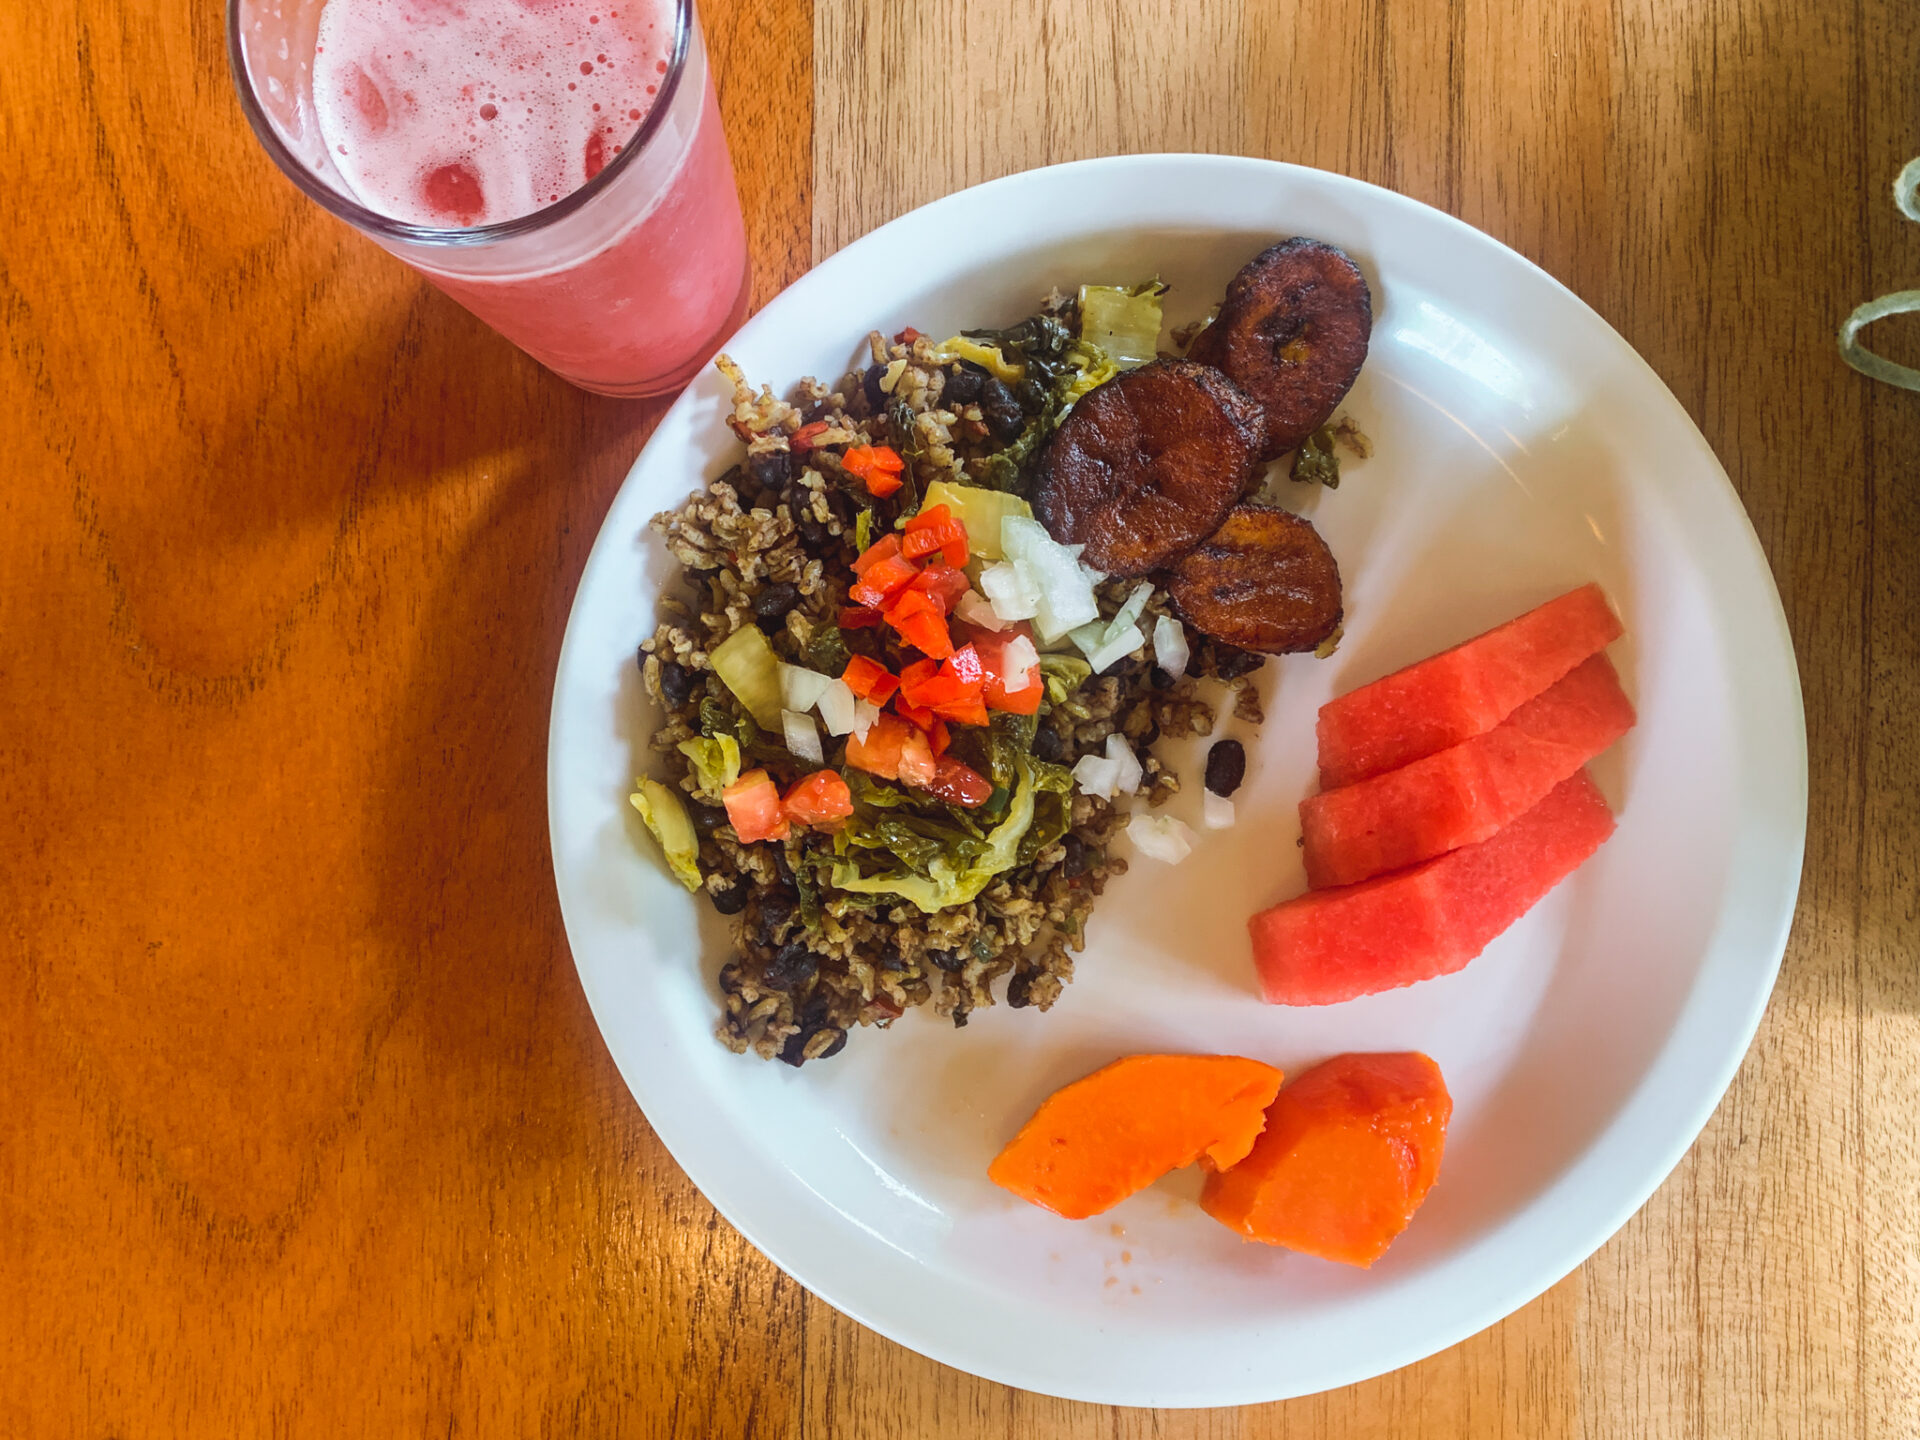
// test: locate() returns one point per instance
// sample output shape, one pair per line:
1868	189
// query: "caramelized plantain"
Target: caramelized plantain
1292	332
1264	580
1147	465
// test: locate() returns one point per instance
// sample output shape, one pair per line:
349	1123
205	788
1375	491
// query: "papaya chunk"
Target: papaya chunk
1349	1152
1292	332
1147	465
1264	580
1095	1142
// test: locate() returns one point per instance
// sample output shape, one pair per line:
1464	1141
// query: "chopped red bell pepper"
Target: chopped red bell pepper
936	530
802	439
885	548
869	679
967	710
942	584
906	336
921	623
821	800
885	579
917	714
958	783
939	738
754	809
878	467
859	617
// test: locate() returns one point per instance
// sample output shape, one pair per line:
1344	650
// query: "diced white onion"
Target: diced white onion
836	707
1133	608
1116	647
865	712
800	689
1097	775
1063	587
1020	660
1160	837
1121	753
803	737
1216	811
1011	591
974	609
1170	650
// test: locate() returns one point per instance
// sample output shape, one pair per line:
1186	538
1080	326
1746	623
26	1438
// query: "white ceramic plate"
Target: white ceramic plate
1521	448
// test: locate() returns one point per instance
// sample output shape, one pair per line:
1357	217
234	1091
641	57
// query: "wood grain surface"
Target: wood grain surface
308	1128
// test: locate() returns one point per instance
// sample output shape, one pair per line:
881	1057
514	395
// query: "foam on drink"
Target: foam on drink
471	112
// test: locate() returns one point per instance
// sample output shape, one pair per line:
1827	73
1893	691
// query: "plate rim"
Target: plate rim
1770	924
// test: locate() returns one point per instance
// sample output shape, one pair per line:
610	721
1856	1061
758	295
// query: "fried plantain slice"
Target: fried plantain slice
1147	465
1292	332
1264	580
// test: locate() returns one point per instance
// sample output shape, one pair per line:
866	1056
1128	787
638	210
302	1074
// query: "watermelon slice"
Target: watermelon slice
1334	945
1462	692
1466	792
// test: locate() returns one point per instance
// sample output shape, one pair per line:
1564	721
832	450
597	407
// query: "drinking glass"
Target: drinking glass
626	286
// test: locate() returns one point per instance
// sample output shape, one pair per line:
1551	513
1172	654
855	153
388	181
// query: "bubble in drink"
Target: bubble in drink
397	84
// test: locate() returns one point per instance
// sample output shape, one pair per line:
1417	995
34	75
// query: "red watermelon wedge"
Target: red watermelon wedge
1334	945
1461	692
1465	793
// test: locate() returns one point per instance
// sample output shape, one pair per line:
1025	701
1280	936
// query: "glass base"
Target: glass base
675	380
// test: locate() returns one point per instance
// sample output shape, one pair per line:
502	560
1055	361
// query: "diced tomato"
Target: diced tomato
940	687
884	579
913	676
869	679
859	617
992	646
906	336
878	467
921	623
942	584
885	548
753	808
879	753
821	800
938	738
966	666
958	783
803	438
917	765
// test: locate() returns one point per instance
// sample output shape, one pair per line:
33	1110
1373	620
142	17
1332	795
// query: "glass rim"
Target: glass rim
385	227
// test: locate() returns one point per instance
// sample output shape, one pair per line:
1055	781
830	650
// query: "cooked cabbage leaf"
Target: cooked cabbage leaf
715	760
667	818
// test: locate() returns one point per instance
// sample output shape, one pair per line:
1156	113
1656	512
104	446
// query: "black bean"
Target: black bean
1048	746
730	977
706	817
1152	735
676	683
1160	679
890	958
838	1043
1230	662
771	605
1001	411
776	907
870	383
1226	766
1078	857
963	385
733	899
793	966
771	469
813	1014
1020	989
951	961
794	1052
959	1019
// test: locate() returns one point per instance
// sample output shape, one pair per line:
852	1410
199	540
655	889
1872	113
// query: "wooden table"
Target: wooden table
309	1131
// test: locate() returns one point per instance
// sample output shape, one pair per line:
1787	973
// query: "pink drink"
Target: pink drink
557	166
